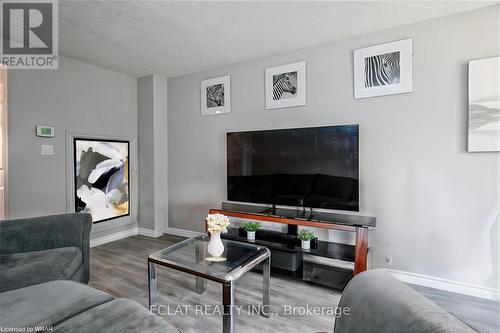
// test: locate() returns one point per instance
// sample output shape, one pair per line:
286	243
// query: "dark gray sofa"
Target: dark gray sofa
38	259
68	306
378	302
40	249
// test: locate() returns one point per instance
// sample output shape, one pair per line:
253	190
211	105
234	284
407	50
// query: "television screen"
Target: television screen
305	167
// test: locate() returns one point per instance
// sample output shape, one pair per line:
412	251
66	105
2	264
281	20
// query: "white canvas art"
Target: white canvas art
383	69
286	86
484	105
216	95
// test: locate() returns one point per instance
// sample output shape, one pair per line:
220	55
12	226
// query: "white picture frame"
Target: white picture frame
286	86
216	95
484	105
396	75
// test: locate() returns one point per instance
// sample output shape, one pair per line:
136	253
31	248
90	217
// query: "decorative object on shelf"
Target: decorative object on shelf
101	169
286	86
216	95
216	224
383	69
251	228
305	237
484	105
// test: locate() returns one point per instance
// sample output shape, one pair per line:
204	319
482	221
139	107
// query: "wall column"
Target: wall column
152	147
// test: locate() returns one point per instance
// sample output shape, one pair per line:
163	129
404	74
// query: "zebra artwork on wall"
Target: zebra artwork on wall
286	86
216	95
383	69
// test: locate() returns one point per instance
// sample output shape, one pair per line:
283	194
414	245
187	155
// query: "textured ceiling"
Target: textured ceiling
174	38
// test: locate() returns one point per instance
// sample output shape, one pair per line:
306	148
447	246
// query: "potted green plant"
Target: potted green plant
251	228
305	237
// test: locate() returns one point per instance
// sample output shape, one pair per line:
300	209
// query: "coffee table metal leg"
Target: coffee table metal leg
201	283
266	288
152	283
228	305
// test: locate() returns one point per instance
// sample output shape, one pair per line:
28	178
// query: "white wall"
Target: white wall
76	97
437	206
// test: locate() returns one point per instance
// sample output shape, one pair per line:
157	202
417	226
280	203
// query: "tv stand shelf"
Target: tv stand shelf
270	239
349	223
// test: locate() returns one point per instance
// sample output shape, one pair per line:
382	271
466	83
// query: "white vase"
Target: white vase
251	235
305	244
215	246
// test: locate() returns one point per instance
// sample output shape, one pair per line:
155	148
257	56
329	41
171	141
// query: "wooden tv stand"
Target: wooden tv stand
361	231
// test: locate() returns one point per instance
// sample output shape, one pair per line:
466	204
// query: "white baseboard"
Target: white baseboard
182	232
149	233
124	234
447	285
113	237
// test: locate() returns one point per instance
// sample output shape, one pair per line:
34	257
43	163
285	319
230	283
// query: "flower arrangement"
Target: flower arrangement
217	223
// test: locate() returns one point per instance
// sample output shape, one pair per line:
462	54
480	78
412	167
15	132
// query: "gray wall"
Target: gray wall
145	109
76	97
152	142
436	204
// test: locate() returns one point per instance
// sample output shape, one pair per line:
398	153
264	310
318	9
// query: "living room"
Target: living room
130	131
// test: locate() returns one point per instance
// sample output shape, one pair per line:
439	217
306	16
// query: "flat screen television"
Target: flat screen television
315	167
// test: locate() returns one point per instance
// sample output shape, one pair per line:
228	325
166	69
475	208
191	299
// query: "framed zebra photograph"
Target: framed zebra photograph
383	69
216	95
286	86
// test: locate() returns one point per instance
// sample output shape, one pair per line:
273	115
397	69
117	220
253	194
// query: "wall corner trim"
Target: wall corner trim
149	233
124	234
113	237
446	285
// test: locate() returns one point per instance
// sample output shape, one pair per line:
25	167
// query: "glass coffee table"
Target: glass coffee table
191	256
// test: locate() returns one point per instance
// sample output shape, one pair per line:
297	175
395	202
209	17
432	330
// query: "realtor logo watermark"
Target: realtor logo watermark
29	34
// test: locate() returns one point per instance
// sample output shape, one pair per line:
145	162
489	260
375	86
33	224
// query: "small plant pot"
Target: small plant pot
305	244
251	235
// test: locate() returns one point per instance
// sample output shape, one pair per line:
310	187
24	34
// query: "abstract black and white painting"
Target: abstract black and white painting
484	105
383	69
102	178
216	95
286	86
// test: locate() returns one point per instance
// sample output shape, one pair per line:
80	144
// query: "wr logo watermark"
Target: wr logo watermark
29	34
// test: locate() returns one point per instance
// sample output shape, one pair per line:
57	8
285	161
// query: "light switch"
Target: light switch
47	150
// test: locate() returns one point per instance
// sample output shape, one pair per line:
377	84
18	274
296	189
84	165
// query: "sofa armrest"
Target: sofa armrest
48	232
378	302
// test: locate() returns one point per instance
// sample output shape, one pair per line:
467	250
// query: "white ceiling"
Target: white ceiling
174	38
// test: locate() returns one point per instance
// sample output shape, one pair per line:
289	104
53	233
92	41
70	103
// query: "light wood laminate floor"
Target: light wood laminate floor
120	268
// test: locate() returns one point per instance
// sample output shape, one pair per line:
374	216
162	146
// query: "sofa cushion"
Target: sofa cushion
18	270
48	304
120	315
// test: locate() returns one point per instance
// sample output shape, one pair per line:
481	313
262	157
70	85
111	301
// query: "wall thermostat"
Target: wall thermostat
45	131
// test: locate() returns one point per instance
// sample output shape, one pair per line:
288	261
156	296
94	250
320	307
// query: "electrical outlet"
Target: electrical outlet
388	261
